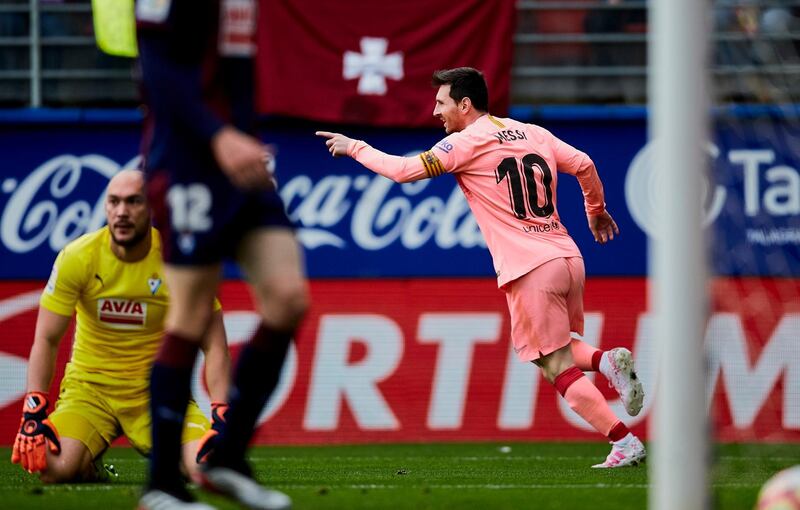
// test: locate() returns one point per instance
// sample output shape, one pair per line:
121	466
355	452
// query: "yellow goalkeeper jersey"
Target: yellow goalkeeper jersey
120	307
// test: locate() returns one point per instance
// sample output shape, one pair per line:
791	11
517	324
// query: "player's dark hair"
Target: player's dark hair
464	82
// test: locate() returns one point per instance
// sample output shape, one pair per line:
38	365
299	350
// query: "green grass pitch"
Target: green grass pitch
422	476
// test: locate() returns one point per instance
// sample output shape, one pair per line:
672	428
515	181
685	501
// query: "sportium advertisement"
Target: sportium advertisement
408	337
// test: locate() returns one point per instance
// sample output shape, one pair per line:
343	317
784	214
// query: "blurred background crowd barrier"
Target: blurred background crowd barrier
564	51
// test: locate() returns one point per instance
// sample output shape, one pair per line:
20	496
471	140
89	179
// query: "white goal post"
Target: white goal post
679	103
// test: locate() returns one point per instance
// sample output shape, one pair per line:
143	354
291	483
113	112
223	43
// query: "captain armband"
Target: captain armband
433	166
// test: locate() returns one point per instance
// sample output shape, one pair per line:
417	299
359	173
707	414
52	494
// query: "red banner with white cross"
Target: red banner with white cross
430	360
367	62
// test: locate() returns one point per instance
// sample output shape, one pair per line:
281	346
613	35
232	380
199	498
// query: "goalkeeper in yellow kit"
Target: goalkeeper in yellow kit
112	278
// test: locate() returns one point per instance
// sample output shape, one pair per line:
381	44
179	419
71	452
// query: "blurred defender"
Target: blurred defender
113	279
508	173
213	199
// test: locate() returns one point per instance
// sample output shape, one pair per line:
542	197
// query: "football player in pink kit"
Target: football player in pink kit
508	172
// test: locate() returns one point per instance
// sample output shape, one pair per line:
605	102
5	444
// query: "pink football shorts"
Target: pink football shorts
546	304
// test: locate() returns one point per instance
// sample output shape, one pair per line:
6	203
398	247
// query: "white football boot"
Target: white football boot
627	452
617	367
155	499
243	489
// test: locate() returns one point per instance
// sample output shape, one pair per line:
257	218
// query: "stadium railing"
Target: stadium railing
565	51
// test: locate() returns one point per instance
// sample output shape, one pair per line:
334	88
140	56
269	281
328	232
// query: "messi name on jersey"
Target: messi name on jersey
121	313
509	135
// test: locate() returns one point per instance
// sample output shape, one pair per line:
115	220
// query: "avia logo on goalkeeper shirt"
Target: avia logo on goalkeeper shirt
122	313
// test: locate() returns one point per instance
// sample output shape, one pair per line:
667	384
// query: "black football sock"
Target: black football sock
170	389
257	373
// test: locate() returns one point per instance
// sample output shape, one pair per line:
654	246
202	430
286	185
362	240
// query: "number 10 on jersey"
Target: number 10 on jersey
535	173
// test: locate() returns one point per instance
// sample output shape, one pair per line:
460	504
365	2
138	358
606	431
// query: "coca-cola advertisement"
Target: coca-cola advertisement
353	223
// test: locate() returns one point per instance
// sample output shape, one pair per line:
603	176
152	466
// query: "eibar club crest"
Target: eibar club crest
154	283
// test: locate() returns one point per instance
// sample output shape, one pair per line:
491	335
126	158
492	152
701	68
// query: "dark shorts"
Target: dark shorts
203	217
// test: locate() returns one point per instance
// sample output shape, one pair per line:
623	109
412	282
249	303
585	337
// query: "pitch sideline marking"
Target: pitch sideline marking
490	486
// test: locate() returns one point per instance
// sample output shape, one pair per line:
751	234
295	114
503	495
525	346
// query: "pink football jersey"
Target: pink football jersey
508	171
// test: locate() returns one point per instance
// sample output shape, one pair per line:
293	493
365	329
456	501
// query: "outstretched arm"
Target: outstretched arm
396	168
338	144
